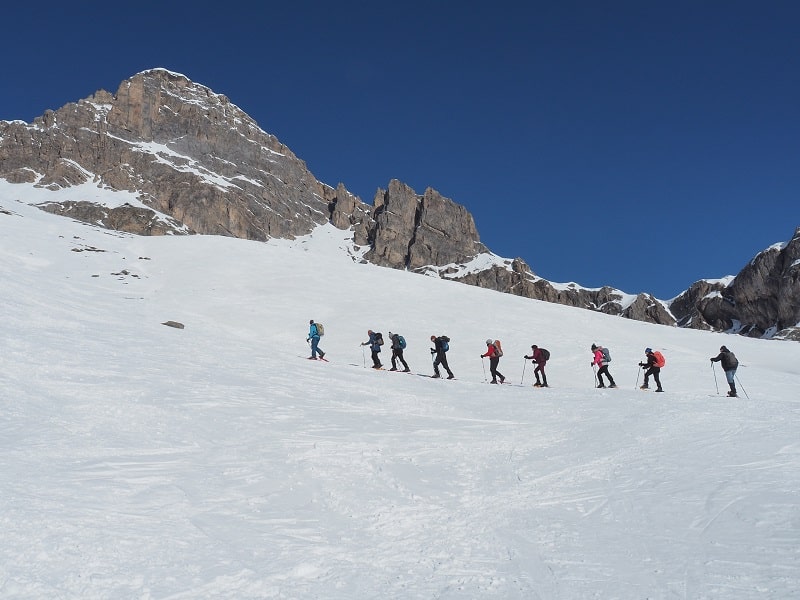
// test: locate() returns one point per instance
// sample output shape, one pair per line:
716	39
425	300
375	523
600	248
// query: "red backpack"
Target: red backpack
660	360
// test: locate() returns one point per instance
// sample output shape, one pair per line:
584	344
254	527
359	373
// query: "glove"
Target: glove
526	357
433	351
591	364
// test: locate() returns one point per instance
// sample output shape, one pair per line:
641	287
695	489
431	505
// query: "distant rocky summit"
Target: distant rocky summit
196	163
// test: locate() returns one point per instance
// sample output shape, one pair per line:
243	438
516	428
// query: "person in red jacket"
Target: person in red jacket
494	360
538	357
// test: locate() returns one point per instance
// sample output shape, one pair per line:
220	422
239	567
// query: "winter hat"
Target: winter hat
724	349
594	347
488	342
534	346
311	322
648	350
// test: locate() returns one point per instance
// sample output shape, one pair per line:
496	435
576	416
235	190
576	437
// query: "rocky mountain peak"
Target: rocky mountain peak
197	163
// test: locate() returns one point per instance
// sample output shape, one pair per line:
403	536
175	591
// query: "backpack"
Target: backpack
545	353
606	355
379	339
660	360
445	343
498	348
320	329
401	341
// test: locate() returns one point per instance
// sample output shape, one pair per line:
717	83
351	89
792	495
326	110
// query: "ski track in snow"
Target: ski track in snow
140	461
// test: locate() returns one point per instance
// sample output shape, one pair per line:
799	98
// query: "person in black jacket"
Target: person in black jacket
397	353
729	365
441	356
652	369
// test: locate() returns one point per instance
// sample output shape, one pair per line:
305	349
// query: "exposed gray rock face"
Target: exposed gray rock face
762	300
127	218
411	231
186	151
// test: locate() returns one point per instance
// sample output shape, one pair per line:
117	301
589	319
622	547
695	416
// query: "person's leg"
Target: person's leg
603	370
314	342
544	375
657	378
447	367
394	360
402	360
729	375
493	368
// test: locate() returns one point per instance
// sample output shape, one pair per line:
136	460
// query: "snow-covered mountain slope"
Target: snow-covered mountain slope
215	461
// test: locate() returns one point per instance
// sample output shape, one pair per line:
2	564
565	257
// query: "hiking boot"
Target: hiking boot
613	385
312	358
406	370
393	369
451	376
602	385
322	355
644	387
659	390
537	384
494	381
435	376
732	395
502	379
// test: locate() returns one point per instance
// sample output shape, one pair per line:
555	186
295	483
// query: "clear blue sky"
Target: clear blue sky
642	145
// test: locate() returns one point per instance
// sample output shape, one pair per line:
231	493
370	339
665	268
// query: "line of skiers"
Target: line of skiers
601	357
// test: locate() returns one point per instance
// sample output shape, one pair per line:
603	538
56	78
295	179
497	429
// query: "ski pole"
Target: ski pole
483	364
638	372
741	386
713	370
594	374
524	364
363	356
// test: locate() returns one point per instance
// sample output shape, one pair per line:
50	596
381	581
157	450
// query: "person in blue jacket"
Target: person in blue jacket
313	336
374	342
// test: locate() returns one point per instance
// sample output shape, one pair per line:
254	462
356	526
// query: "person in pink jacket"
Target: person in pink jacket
601	358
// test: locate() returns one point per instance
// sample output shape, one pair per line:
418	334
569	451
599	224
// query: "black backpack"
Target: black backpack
379	339
545	353
445	343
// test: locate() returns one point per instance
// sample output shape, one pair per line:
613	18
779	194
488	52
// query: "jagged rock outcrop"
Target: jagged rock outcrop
763	300
411	231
